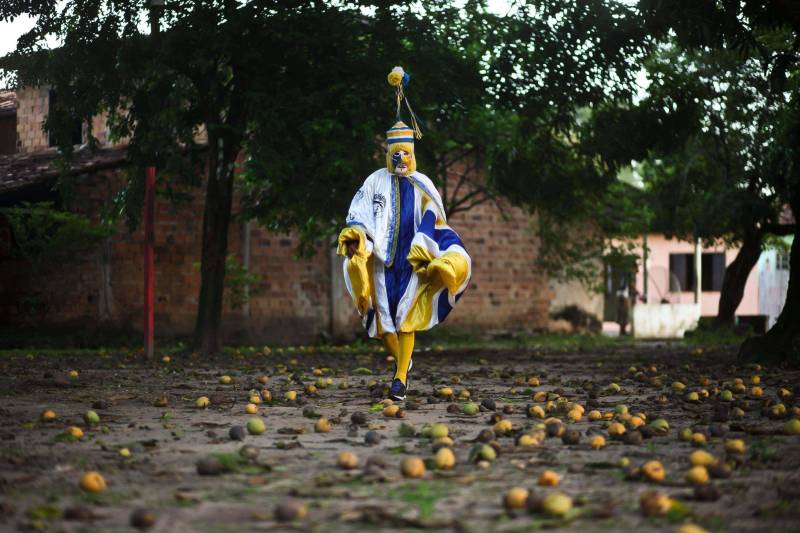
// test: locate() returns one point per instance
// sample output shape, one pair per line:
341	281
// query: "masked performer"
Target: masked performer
405	267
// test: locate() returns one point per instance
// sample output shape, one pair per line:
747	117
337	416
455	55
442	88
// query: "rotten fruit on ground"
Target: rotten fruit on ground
548	478
413	467
654	503
256	426
290	510
556	504
515	498
390	411
697	475
444	459
347	460
202	402
653	471
143	519
322	425
92	481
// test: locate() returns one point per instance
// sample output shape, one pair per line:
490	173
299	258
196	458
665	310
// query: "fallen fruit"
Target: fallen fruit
614	388
654	503
390	411
471	409
256	426
47	415
556	504
616	429
92	481
446	392
548	478
701	458
598	442
515	498
290	510
438	431
685	434
413	467
143	519
698	439
347	460
124	452
322	425
225	380
735	446
502	427
251	409
202	402
653	471
73	374
792	427
444	459
290	396
697	475
236	433
75	432
595	415
91	417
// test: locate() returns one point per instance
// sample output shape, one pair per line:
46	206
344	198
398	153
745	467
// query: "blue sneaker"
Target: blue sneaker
397	391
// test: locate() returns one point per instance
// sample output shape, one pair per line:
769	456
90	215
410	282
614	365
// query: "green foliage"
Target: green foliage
45	235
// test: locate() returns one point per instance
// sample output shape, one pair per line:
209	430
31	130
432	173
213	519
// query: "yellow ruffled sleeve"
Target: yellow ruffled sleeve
451	268
357	268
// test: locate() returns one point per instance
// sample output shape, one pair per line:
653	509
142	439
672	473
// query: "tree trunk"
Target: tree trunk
782	341
735	278
216	218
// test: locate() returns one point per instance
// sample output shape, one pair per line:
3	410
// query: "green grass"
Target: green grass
423	495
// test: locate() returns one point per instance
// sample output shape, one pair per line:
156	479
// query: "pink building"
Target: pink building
670	271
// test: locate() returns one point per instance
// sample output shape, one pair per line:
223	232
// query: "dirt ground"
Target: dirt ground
296	468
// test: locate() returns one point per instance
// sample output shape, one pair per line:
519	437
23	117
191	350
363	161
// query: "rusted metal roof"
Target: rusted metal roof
8	102
19	171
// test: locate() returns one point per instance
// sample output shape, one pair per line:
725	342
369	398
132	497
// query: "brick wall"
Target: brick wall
292	301
32	104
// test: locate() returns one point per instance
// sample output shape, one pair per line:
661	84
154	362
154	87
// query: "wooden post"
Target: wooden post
698	270
149	238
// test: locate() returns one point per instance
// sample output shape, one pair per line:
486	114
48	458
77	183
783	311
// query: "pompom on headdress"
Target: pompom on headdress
400	136
399	78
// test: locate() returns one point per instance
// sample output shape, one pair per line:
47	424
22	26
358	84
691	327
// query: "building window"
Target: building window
681	272
782	261
77	126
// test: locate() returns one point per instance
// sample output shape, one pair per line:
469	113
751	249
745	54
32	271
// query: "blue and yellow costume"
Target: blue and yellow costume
407	268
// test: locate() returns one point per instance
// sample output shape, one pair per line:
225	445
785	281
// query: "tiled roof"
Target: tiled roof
19	171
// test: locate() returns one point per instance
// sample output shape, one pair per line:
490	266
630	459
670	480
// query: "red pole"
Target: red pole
149	238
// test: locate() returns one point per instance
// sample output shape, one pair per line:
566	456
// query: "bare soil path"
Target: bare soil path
150	410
